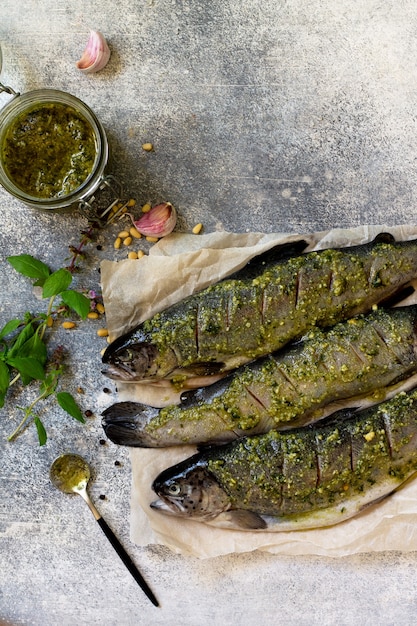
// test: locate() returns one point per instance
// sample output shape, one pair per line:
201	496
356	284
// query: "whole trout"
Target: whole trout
304	478
291	387
276	298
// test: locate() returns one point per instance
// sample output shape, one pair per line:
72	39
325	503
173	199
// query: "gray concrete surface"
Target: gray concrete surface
272	115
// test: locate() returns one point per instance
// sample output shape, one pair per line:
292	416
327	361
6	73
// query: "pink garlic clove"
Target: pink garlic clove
158	222
95	55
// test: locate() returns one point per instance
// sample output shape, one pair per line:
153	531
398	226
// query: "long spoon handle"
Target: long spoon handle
82	491
127	560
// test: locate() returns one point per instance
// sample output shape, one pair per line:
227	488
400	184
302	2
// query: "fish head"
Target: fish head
132	358
191	492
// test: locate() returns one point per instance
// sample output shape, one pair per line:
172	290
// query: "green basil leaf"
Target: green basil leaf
42	436
28	367
25	334
67	402
29	266
4	381
34	347
9	327
56	282
76	301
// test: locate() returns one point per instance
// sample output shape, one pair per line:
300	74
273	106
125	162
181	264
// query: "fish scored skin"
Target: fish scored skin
258	310
365	354
299	479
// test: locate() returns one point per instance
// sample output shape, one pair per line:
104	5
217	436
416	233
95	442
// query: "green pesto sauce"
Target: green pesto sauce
277	472
250	317
351	359
49	150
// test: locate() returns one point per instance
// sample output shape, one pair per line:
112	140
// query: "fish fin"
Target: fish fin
384	238
192	397
280	252
206	446
398	297
205	368
247	520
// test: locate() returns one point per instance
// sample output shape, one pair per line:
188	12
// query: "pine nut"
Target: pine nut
68	325
135	233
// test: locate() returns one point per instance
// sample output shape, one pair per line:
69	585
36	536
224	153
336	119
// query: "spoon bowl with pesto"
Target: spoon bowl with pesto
70	473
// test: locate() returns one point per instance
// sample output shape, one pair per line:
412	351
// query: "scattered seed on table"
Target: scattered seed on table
197	229
146	208
148	147
106	390
140	254
80	390
92	315
152	239
88	413
100	307
103	442
131	202
49	321
132	255
123	234
117	463
135	233
127	241
102	496
68	325
117	243
103	332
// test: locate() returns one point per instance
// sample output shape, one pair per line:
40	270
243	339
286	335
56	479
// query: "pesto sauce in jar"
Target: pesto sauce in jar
49	150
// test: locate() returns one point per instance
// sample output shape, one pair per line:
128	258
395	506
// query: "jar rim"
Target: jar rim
23	102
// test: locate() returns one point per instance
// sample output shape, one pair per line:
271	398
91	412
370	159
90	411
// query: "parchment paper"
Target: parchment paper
176	267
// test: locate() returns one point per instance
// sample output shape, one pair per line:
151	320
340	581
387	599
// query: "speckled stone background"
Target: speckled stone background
272	115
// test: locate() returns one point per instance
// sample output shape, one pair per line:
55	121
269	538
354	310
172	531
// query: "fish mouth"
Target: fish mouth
122	373
167	507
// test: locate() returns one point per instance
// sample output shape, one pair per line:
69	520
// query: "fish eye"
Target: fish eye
126	356
174	489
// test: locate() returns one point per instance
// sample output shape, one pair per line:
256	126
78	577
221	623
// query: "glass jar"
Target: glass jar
36	128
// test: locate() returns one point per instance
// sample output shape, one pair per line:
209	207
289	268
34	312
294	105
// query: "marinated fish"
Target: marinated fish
291	387
276	298
298	479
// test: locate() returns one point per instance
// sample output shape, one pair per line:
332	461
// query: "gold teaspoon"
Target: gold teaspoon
70	473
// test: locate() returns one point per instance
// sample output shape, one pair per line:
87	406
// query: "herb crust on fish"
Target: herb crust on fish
278	297
363	355
299	479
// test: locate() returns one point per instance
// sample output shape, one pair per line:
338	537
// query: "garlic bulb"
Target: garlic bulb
95	55
158	222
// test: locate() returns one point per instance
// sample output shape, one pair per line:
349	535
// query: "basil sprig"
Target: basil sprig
23	350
